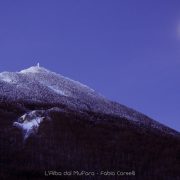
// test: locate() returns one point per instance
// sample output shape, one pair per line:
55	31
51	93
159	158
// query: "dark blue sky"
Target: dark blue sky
129	50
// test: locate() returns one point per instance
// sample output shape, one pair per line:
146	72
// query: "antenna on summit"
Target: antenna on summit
38	65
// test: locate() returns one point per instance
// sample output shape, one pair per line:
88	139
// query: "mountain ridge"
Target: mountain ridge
37	84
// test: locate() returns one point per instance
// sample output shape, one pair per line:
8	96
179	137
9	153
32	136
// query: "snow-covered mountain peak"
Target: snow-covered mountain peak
35	69
39	84
41	73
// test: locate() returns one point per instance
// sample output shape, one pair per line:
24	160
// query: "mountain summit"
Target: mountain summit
50	122
36	78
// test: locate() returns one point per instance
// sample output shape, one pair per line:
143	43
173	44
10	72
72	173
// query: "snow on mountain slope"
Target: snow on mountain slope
37	84
58	82
40	84
29	127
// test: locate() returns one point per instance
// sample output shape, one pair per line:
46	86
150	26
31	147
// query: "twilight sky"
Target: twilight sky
129	50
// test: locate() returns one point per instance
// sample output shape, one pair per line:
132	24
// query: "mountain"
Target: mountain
52	123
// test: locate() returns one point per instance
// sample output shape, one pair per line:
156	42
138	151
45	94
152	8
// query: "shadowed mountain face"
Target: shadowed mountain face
51	123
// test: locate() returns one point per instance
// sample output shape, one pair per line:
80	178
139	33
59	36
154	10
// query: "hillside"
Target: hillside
52	123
